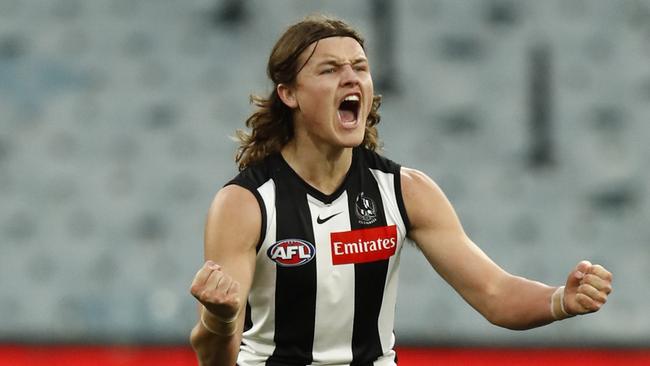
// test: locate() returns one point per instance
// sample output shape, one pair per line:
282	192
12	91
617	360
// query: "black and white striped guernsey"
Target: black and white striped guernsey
325	282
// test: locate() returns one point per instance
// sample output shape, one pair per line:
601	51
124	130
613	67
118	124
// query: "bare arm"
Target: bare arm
503	299
222	284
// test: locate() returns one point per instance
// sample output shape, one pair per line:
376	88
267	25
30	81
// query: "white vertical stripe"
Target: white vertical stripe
335	286
393	217
258	341
388	359
386	182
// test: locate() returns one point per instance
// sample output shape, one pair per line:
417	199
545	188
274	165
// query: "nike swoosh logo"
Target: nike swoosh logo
322	221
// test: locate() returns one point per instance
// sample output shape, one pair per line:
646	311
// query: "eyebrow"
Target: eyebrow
333	61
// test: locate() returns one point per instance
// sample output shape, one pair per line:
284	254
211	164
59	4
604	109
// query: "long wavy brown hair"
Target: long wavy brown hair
271	124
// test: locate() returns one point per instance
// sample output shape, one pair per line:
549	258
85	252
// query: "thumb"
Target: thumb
576	276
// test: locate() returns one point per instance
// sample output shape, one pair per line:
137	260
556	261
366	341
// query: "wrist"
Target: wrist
220	327
558	310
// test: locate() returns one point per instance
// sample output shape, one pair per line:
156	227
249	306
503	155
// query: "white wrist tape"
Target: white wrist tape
557	305
562	303
229	330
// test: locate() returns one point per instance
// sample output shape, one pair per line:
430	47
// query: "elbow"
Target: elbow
498	309
505	313
505	322
211	350
498	315
515	323
194	339
489	303
197	342
501	316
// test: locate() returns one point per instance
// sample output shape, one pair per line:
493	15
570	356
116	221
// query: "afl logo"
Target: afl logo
291	252
366	209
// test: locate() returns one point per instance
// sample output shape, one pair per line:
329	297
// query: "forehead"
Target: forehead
337	48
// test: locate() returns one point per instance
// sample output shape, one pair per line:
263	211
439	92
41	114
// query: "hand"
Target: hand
217	291
587	288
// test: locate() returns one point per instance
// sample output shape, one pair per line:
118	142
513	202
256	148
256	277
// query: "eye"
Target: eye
361	68
329	70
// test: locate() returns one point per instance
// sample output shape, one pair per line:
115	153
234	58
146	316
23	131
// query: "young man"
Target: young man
302	248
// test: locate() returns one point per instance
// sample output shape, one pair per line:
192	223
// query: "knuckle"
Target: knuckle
195	289
598	268
584	301
198	276
601	272
212	297
203	295
593	279
211	265
604	272
234	301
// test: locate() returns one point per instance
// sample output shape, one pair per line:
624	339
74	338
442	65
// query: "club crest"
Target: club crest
365	209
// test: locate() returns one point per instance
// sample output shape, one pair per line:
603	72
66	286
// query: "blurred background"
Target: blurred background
115	125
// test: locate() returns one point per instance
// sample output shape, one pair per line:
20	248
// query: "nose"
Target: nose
349	76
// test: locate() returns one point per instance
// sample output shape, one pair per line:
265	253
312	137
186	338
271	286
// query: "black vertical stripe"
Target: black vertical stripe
370	278
295	289
248	321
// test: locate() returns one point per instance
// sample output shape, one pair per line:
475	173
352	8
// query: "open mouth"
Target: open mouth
349	109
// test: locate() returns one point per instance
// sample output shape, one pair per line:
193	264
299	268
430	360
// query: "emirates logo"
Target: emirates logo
363	245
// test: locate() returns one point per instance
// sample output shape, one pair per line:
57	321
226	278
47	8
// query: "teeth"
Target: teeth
354	98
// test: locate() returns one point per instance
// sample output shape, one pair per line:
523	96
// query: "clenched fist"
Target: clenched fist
586	289
219	294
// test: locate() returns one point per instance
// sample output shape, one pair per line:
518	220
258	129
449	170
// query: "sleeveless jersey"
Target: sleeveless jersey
326	271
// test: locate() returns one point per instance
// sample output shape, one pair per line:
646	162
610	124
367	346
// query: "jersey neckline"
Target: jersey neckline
313	191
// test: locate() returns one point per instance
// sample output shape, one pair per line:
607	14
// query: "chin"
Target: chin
352	138
352	142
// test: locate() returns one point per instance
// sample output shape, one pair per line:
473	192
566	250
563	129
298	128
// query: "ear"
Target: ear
287	95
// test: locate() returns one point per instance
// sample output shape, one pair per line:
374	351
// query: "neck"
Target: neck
323	169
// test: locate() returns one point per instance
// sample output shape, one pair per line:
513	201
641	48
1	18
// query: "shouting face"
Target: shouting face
333	93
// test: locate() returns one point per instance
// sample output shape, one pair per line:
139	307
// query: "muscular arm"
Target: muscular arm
231	233
503	299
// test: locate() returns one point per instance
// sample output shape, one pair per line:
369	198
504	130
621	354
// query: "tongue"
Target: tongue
346	116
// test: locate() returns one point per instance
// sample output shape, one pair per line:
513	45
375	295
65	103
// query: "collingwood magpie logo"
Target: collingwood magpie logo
366	209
